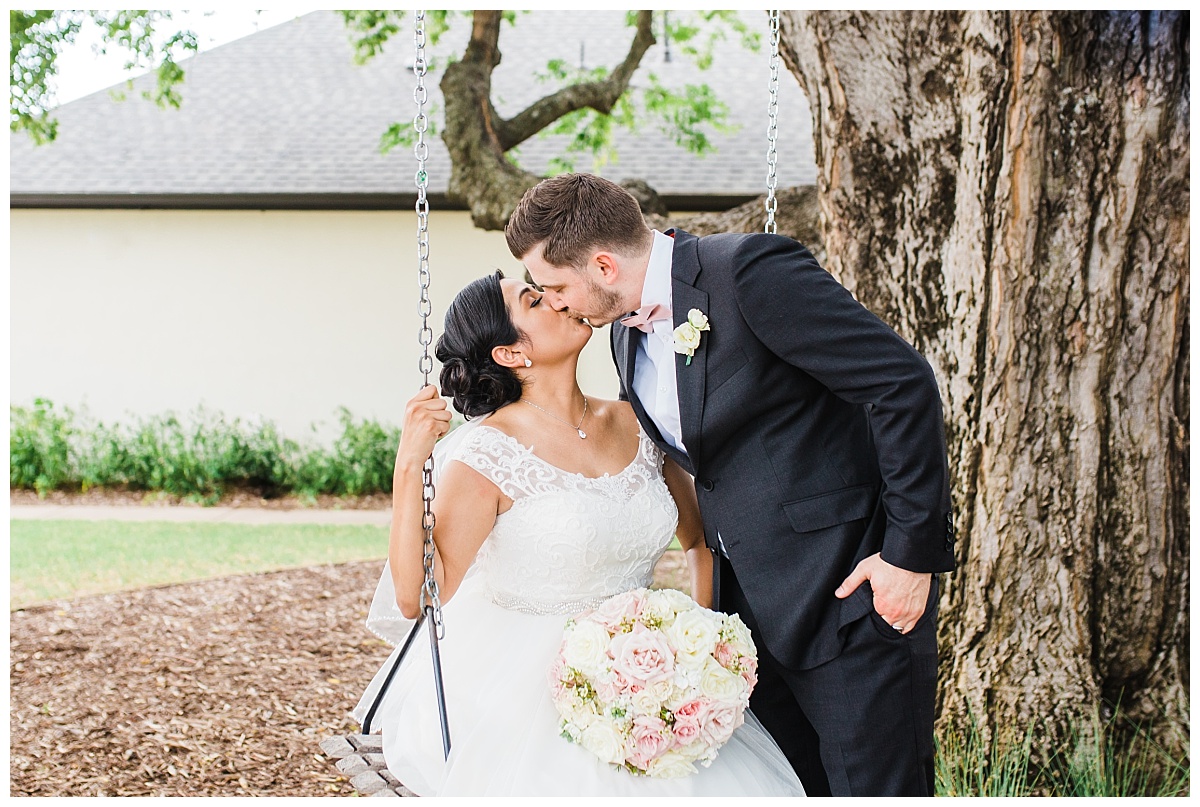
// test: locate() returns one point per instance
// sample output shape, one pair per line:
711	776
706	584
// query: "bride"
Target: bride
548	502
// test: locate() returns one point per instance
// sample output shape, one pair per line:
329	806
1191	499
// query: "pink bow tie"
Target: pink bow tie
644	316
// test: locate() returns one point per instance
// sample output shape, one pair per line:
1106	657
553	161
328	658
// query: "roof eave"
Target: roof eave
299	201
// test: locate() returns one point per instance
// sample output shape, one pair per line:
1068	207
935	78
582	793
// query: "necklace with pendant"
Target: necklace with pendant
582	434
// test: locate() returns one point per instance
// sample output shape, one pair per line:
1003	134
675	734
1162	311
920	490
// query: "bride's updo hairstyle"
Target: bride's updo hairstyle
477	321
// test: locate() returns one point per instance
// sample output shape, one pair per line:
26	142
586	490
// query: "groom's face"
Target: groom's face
582	293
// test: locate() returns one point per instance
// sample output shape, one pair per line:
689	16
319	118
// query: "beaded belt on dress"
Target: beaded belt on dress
543	607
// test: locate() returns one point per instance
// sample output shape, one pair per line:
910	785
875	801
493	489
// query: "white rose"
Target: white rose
671	765
697	319
664	691
658	608
676	599
695	631
586	648
601	740
720	684
687	338
582	715
689	665
651	699
646	702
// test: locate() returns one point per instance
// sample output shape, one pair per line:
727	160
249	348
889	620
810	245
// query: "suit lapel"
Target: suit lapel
689	378
626	351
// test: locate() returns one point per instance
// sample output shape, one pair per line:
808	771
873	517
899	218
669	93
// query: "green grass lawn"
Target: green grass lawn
66	559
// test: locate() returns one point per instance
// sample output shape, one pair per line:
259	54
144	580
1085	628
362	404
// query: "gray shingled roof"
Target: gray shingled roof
285	114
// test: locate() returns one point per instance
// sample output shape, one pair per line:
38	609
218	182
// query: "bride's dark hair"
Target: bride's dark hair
477	321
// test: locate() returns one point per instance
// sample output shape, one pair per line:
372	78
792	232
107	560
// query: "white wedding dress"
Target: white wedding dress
568	543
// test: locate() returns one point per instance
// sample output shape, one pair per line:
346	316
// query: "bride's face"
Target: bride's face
551	334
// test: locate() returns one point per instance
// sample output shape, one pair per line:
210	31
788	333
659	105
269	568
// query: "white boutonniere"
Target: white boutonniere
687	335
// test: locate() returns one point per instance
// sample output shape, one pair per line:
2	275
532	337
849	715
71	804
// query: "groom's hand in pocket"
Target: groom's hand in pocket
900	595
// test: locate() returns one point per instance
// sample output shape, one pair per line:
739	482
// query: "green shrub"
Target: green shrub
39	446
360	461
199	457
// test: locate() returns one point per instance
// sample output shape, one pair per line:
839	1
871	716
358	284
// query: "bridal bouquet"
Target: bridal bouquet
652	682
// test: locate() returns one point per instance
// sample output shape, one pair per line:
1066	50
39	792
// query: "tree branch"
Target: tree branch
598	95
485	36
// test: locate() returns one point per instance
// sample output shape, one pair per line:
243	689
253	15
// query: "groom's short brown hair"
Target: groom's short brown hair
573	215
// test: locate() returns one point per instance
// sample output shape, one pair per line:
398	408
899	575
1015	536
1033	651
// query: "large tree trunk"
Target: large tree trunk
1010	191
798	216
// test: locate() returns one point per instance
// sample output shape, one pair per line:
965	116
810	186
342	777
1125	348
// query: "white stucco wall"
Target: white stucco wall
282	314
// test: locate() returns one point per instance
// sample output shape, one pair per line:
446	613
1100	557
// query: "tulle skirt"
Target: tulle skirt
504	726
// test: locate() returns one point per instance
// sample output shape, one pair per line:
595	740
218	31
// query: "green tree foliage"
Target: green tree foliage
37	37
686	114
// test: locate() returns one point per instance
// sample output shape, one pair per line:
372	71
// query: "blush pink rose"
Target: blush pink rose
718	722
687	730
649	740
555	674
617	686
643	657
692	709
750	670
689	720
724	655
608	691
613	611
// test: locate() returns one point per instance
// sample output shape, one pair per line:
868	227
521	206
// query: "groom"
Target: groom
815	437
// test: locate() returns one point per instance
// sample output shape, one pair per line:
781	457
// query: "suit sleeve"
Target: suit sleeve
808	319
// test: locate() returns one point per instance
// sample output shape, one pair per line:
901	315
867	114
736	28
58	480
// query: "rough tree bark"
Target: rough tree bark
477	137
1010	191
798	216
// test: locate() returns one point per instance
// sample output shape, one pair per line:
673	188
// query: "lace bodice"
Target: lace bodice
569	541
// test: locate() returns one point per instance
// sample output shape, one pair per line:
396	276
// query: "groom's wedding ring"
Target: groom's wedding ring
899	627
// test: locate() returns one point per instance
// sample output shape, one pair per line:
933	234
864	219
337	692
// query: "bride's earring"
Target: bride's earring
528	363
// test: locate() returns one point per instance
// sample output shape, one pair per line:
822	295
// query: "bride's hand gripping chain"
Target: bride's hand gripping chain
464	509
426	420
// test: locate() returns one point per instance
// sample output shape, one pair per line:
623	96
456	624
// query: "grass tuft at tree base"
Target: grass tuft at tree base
1101	758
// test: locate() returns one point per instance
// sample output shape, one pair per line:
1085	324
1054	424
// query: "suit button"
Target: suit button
707	484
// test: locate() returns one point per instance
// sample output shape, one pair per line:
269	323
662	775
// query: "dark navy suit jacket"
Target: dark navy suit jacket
814	433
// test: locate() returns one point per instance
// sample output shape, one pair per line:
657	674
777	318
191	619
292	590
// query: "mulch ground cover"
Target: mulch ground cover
220	687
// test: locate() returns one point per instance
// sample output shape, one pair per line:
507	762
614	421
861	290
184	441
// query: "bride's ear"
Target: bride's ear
507	356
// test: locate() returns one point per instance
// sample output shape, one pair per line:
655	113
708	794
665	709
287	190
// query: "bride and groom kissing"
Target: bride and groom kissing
789	438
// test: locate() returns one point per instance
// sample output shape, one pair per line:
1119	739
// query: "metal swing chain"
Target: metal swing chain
429	593
773	124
